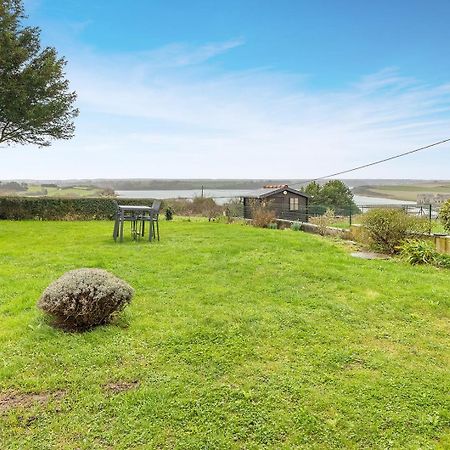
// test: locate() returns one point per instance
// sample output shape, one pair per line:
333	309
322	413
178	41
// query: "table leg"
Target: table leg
116	227
121	226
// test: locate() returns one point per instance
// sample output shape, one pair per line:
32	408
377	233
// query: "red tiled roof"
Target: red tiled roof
275	186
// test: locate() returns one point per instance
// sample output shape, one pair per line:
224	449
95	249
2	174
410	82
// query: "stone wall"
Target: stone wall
356	233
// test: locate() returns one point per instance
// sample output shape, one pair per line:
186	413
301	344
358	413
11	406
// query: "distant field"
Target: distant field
403	192
35	190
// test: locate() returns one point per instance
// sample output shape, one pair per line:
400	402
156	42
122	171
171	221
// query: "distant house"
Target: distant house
432	199
285	202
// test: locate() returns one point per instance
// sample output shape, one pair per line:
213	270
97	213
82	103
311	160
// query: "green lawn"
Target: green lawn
237	338
341	223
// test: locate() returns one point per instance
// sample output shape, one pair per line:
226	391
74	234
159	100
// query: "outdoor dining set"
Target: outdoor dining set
140	217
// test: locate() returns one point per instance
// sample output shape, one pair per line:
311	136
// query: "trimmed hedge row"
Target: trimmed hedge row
47	208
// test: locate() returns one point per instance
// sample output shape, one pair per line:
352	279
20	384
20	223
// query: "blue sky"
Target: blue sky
246	89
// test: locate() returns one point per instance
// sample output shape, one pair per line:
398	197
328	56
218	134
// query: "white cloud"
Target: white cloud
178	55
172	113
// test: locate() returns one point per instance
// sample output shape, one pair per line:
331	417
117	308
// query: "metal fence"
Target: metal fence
344	216
302	214
428	211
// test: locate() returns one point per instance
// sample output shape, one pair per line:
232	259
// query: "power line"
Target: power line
376	162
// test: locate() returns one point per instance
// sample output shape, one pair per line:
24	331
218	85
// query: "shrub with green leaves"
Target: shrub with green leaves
444	215
47	208
417	251
169	213
443	260
387	228
296	226
84	298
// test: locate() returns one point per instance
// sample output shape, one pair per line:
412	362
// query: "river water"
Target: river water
224	195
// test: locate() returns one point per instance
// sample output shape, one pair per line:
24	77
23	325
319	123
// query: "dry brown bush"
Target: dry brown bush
324	221
198	206
262	214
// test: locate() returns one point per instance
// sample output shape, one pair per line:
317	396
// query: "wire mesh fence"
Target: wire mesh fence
344	216
301	214
412	209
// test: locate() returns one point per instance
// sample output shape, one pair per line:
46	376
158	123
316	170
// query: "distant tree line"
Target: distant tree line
183	184
13	186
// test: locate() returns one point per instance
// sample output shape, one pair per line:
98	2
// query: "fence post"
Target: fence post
430	213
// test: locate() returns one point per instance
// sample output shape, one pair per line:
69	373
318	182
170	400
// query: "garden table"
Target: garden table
130	213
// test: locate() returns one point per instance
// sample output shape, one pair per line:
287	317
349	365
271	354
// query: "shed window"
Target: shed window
293	204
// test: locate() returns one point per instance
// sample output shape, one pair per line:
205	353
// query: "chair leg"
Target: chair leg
157	228
150	231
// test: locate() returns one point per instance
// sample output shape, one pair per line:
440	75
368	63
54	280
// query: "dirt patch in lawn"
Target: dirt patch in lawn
120	386
369	255
13	399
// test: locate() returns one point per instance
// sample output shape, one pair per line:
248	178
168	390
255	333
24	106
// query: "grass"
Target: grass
237	338
341	223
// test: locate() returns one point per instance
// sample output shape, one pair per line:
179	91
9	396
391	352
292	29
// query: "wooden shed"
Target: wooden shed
286	202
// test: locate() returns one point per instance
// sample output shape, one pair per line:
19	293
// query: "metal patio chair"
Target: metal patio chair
153	219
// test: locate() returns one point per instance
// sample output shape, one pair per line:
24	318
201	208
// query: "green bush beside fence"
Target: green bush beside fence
45	208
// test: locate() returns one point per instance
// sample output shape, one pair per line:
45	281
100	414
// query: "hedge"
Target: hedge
47	208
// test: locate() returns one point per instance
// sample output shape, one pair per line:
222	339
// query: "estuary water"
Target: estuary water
224	195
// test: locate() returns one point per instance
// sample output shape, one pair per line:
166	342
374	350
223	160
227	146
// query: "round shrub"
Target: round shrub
84	298
444	215
387	228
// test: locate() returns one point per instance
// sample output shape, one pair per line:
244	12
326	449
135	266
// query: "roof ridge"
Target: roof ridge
275	186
